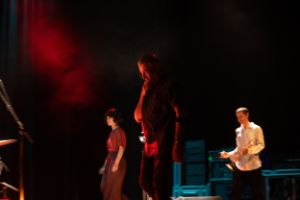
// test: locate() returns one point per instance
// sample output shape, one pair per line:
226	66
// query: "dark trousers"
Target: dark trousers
241	179
112	182
156	176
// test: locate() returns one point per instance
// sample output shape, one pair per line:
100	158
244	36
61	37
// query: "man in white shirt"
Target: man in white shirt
249	143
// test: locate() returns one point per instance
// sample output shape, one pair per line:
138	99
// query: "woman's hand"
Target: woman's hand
101	170
115	167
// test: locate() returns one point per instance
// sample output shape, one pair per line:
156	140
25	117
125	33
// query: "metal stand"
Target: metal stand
5	187
22	133
146	196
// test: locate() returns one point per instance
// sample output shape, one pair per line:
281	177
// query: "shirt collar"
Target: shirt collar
251	125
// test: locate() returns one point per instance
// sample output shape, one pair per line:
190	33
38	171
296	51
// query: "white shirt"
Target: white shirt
250	138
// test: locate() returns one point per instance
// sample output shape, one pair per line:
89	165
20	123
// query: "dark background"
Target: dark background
222	54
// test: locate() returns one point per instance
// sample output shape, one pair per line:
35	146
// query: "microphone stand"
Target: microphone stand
143	140
3	166
22	134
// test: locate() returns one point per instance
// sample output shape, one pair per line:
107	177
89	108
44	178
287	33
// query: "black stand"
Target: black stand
22	134
143	140
5	187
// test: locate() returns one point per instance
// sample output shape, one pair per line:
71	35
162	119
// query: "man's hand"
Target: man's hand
145	87
115	167
244	151
224	155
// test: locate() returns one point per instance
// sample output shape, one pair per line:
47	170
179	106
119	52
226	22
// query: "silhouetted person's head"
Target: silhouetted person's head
149	67
113	117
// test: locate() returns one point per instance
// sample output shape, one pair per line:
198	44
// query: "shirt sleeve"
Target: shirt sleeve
121	138
259	142
235	154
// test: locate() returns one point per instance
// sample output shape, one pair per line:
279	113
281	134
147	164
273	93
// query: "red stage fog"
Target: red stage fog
60	60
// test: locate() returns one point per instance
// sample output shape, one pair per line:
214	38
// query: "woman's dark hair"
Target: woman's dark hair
116	115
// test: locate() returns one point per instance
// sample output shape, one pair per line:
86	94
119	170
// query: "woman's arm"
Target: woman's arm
102	169
118	159
105	162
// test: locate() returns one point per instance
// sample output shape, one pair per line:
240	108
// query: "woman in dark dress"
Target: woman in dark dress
114	168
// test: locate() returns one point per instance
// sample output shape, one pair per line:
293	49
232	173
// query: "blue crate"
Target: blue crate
190	190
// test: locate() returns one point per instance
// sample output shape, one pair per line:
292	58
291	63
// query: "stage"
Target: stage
64	63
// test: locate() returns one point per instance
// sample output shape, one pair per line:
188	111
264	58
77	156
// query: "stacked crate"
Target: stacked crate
190	175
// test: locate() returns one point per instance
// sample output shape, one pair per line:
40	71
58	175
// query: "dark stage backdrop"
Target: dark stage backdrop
65	62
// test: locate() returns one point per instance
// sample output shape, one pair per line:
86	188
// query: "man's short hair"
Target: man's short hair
242	109
150	61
